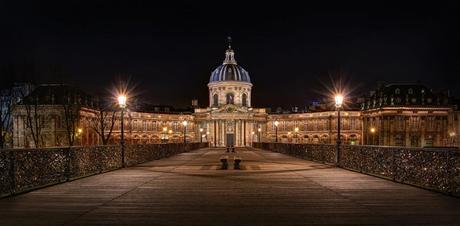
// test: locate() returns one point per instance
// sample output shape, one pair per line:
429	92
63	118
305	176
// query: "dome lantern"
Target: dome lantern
229	70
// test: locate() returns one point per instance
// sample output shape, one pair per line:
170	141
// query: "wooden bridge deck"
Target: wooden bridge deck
270	189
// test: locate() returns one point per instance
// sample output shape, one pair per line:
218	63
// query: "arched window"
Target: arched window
230	98
245	100
215	100
410	91
397	91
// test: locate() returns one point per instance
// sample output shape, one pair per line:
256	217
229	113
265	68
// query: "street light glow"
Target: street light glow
296	129
372	130
122	101
184	123
259	129
277	123
165	129
201	130
338	100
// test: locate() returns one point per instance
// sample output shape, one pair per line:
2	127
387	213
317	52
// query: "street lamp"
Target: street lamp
170	133
338	105
258	134
373	135
452	137
201	136
79	132
296	134
122	103
276	131
184	123
165	131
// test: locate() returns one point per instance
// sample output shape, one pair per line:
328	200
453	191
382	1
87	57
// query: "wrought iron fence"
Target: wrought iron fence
432	168
26	169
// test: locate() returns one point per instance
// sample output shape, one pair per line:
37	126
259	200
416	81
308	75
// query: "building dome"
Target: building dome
229	70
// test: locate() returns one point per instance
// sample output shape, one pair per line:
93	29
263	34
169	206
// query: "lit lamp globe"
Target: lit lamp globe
122	101
338	100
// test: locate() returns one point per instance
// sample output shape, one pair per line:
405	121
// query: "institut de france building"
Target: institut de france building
395	114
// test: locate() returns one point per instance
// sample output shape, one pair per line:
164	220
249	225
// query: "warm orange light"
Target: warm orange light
296	129
338	100
185	123
165	129
372	130
122	101
277	123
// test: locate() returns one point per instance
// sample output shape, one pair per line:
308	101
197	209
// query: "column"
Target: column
244	133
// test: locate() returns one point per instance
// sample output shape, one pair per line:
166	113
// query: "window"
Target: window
215	100
230	98
410	91
397	91
245	100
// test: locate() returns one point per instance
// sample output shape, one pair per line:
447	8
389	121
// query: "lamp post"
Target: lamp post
452	138
338	105
184	123
276	131
122	104
296	134
79	132
201	136
165	131
258	134
373	135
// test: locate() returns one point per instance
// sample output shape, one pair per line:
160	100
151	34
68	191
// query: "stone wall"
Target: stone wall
430	168
27	169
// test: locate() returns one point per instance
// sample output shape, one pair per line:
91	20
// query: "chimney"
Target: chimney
195	103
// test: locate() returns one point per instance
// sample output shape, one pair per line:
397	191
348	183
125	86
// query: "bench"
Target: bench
236	162
224	162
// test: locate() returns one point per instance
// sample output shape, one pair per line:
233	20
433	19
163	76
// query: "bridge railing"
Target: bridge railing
22	170
431	168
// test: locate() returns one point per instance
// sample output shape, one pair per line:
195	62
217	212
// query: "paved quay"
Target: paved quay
270	189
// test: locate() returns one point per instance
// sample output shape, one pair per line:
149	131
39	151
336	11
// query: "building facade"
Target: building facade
407	115
394	114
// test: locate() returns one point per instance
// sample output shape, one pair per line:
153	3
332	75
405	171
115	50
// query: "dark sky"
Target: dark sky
169	51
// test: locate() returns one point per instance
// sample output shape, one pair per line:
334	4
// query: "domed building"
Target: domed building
230	120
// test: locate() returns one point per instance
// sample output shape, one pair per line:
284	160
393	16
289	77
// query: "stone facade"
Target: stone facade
315	127
393	115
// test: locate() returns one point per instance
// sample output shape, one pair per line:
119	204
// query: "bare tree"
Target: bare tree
6	107
104	122
71	107
35	121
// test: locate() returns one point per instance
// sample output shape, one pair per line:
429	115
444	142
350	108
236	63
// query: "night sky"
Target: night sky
169	51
